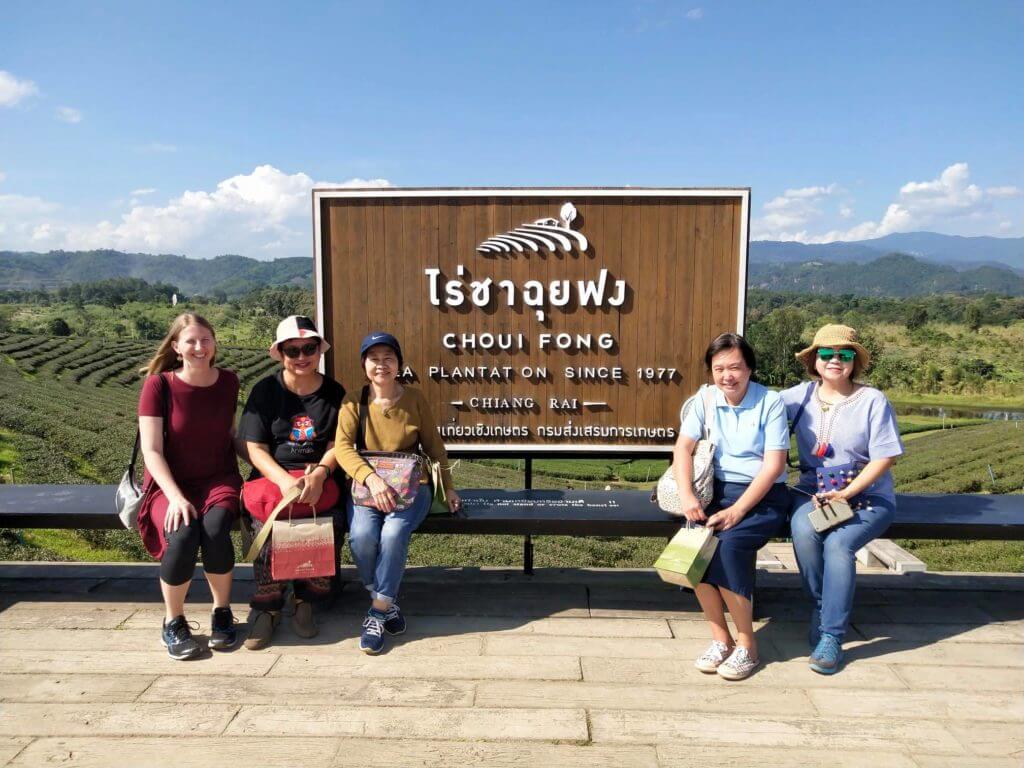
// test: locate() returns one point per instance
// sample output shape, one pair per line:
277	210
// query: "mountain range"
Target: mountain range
232	275
905	264
950	250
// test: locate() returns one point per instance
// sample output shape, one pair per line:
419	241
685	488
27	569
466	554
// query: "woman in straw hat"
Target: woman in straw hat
847	437
288	425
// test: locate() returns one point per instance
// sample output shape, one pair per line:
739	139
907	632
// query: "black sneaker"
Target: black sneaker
177	636
223	634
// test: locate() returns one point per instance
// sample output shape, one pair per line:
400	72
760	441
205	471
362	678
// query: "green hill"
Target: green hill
232	275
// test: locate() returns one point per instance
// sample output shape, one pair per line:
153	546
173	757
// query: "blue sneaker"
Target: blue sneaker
372	639
828	656
177	636
223	634
394	621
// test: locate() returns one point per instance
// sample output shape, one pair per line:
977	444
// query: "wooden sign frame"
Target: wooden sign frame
680	253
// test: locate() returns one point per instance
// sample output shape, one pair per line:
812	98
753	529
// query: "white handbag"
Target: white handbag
667	492
129	495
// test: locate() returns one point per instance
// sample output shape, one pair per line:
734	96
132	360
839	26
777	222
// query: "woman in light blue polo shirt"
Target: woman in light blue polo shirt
750	504
845	432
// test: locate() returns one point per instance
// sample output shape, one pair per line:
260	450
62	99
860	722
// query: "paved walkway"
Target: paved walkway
567	668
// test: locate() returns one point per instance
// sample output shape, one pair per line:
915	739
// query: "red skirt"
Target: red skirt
261	495
204	495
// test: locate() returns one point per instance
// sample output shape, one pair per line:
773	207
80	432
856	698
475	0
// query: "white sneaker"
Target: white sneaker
738	666
710	660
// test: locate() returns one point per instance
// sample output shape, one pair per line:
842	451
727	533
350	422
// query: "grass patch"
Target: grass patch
971	556
73	546
8	453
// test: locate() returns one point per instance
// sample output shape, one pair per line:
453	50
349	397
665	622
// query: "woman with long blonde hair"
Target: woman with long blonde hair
186	425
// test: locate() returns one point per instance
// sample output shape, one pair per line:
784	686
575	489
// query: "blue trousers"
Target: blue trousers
380	543
826	560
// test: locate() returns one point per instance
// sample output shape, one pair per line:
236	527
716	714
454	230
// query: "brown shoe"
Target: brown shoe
302	620
261	629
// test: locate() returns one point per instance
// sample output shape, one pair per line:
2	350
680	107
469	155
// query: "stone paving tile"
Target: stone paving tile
937	705
991	739
134	663
184	751
880	651
776	675
567	725
525	600
73	688
429	668
65	616
312	690
620	726
937	633
149	616
728	756
134	719
562	627
10	746
928	677
679	698
935	614
608	648
965	761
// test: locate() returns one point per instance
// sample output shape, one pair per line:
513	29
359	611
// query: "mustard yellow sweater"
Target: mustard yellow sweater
398	428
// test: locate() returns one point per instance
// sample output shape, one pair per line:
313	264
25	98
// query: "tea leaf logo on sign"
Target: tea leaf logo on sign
549	233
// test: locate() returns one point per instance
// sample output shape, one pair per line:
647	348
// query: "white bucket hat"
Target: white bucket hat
296	327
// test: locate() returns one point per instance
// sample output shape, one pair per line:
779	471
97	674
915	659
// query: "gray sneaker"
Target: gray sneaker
711	659
738	666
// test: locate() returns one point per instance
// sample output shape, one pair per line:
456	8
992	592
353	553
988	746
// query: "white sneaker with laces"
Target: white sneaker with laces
739	664
712	657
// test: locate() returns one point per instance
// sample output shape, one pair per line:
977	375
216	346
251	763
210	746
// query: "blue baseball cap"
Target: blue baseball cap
381	337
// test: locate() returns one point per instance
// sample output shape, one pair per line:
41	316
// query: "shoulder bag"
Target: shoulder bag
400	470
129	495
667	491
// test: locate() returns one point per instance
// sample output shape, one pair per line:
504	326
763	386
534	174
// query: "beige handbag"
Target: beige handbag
300	549
667	492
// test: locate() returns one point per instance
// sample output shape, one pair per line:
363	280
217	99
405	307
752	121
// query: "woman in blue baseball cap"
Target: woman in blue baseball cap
395	418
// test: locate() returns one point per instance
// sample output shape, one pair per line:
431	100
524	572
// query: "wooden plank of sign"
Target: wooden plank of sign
702	257
683	289
631	329
592	321
607	252
734	264
664	336
723	319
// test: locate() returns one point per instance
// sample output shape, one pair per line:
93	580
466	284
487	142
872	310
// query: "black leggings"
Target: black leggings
212	532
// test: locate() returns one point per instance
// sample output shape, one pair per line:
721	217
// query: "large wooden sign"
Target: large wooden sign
547	319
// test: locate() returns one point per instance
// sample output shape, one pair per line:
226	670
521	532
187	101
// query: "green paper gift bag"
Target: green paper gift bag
687	556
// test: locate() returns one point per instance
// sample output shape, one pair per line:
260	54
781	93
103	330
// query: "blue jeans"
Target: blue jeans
826	560
380	543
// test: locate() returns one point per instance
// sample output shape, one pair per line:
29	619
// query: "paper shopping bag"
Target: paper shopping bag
687	556
302	549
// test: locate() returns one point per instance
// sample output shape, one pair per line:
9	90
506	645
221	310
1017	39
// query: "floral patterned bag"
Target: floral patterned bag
402	471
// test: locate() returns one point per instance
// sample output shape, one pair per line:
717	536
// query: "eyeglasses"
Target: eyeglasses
307	350
845	355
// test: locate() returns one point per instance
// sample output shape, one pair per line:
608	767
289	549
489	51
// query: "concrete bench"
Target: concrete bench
536	512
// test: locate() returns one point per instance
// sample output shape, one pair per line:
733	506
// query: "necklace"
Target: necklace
826	422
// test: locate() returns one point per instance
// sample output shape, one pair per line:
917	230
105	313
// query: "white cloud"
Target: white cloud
69	115
264	214
2	176
13	90
695	14
919	205
157	147
142	191
787	216
1007	191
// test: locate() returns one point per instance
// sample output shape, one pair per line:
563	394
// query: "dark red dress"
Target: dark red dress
198	448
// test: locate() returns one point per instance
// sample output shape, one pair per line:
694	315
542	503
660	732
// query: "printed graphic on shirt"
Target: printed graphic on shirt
303	429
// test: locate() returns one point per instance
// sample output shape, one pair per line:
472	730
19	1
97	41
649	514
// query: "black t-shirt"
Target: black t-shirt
297	429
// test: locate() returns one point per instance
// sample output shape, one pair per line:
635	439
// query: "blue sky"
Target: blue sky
199	128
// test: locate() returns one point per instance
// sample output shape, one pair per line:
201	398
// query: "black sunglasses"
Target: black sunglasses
308	350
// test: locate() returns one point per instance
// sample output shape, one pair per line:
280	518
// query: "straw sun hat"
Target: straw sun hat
835	336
